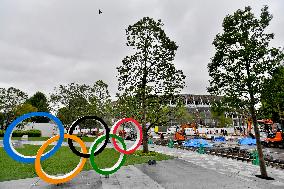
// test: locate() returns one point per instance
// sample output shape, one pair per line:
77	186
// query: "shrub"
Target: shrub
33	133
17	133
30	133
1	133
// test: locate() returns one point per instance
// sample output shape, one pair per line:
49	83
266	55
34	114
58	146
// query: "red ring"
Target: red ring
114	129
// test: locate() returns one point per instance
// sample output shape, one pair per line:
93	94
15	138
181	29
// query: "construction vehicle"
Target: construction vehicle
127	134
273	139
122	133
180	135
265	125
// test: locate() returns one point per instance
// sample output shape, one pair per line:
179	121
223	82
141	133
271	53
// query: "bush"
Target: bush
30	133
33	133
1	133
18	133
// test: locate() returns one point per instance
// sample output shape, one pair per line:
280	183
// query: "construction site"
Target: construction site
227	142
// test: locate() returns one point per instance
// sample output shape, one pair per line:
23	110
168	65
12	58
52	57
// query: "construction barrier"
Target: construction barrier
196	143
171	144
255	157
219	139
247	141
201	149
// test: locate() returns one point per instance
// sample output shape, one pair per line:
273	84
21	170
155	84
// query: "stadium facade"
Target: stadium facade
200	105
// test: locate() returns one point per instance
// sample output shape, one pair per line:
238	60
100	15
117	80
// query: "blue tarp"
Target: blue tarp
196	143
219	139
247	141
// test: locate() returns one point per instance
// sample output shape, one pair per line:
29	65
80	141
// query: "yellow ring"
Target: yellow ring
59	179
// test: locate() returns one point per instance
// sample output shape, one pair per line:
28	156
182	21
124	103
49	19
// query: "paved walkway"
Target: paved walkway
126	177
188	170
232	168
166	174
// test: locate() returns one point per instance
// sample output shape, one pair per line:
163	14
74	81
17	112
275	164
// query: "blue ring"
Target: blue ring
27	159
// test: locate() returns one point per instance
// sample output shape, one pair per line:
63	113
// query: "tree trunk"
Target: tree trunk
145	141
144	129
258	144
144	83
256	130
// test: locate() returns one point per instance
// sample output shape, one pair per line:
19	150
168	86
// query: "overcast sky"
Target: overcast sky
45	43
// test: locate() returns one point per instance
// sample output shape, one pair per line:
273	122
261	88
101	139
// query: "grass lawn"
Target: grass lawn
85	139
63	161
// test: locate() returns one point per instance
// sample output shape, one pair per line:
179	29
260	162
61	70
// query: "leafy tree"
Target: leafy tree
24	109
242	60
157	113
149	71
272	96
126	106
64	115
183	116
202	115
39	101
76	108
218	110
100	104
74	100
9	99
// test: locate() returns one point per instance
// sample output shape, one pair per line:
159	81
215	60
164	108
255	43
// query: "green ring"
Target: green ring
112	169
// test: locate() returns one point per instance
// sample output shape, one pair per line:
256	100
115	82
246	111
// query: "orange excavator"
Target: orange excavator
266	123
180	135
275	139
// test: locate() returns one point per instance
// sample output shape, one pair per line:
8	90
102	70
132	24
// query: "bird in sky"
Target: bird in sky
100	12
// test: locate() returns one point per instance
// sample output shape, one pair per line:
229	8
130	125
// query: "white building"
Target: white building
47	129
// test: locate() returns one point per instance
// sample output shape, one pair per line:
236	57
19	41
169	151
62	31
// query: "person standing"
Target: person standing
162	136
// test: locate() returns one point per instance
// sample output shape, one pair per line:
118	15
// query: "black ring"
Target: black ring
71	129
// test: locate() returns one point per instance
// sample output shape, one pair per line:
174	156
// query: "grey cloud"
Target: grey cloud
47	43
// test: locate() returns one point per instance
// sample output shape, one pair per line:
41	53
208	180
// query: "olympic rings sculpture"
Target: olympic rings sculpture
94	150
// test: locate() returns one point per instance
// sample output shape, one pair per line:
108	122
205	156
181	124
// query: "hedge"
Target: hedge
30	133
33	133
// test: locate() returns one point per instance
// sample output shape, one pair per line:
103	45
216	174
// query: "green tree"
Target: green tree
149	72
126	106
74	100
39	101
157	112
183	116
218	111
24	109
100	103
272	96
9	99
242	60
65	115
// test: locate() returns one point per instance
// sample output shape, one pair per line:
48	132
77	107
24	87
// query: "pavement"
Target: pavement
236	170
188	170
